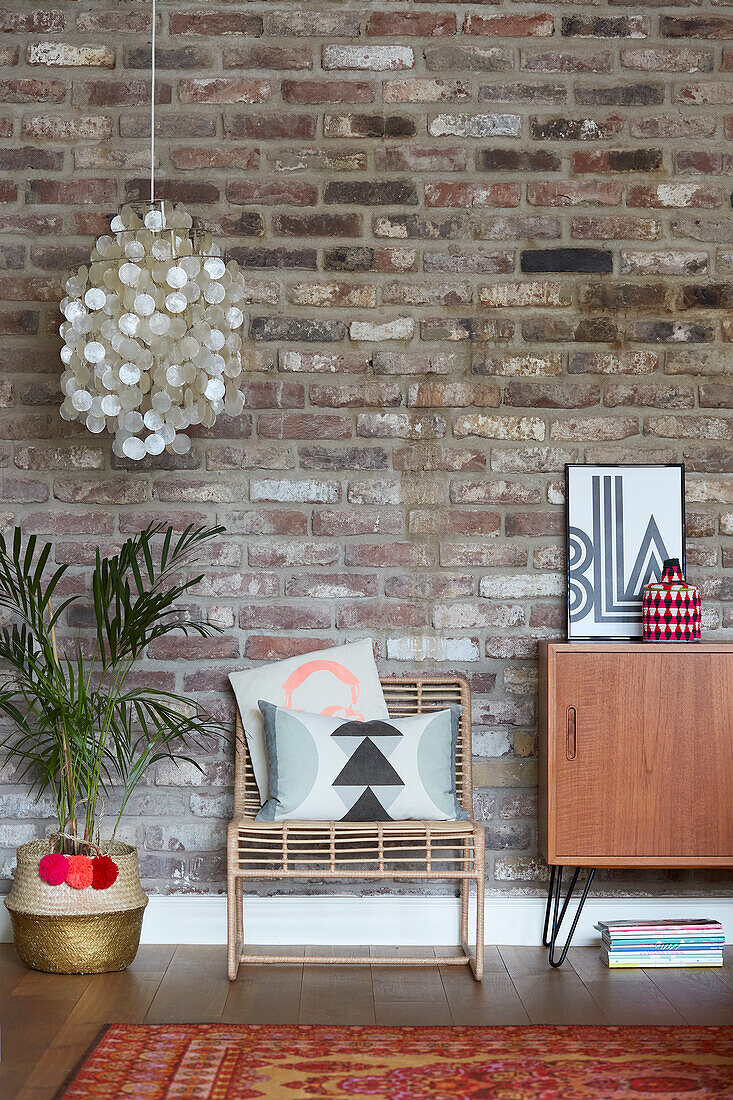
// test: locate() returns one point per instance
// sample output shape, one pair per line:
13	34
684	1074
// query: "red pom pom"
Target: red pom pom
79	874
104	872
53	869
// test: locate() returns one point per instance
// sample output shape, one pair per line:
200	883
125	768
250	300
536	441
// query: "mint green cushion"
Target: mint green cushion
326	769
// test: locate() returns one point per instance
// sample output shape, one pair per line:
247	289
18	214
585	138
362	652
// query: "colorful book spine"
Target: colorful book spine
629	944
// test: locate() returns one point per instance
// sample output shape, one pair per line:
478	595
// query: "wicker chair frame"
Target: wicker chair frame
415	850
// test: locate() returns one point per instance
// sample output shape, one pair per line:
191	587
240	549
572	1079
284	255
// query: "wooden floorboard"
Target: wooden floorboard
699	995
336	994
408	995
49	1021
30	1018
193	989
623	996
267	994
492	1001
549	996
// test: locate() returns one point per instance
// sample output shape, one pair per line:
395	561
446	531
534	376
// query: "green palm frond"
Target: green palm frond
77	732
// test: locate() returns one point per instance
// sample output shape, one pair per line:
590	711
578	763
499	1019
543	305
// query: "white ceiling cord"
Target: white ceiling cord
152	109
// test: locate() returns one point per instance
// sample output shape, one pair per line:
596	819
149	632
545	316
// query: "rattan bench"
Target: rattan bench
361	850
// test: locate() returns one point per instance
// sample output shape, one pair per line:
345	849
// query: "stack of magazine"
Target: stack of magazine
630	943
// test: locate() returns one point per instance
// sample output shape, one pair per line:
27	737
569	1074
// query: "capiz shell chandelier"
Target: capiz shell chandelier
152	329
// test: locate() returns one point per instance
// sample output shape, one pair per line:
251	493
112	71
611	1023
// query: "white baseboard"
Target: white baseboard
408	921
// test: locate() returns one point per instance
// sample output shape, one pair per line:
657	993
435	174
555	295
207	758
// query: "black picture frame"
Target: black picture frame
572	634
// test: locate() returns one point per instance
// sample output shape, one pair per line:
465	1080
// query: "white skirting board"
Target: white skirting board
408	921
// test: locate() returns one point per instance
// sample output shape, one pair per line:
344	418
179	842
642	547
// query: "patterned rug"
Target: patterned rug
229	1062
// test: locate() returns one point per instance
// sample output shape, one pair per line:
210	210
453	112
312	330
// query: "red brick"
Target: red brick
511	26
224	90
266	57
357	395
227	156
185	191
58	128
333	586
379	615
289	616
668	196
577	429
134	522
274	192
18	322
493	492
611	160
472	194
30	288
117	22
411	159
327	91
428	586
425	90
393	555
615	229
342	458
110	491
705	26
215	23
115	93
421	457
273	125
263	647
341	523
272	555
314	24
266	521
303	426
399	24
535	523
31	22
57	522
28	90
70	192
574	193
177	648
568	61
454	521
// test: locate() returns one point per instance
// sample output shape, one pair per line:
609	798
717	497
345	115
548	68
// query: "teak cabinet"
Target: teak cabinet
636	754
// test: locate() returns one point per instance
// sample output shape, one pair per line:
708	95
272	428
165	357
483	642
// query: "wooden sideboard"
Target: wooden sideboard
636	762
636	754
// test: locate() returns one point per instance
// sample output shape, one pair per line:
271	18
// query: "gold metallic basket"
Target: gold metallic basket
65	931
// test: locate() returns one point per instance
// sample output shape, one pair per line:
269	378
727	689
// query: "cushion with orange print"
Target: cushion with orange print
340	682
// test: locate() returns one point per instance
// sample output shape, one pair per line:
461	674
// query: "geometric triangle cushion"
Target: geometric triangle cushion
322	768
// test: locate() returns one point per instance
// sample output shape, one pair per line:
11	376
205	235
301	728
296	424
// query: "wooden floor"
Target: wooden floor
49	1021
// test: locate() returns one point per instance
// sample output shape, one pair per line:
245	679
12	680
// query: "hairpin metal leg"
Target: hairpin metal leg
558	914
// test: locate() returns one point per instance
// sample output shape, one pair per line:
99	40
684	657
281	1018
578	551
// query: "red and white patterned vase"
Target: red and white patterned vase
670	609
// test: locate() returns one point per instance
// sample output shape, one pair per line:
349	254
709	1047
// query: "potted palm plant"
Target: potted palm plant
84	732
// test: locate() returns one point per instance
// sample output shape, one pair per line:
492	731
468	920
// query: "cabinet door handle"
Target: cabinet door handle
571	740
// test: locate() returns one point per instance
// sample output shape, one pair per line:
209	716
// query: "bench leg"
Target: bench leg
234	925
465	898
478	966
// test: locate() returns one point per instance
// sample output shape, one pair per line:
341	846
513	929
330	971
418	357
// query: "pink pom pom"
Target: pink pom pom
80	872
53	869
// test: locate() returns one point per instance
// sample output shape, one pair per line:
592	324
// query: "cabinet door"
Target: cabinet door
641	758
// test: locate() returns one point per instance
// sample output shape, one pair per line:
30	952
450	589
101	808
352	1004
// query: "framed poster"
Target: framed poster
621	523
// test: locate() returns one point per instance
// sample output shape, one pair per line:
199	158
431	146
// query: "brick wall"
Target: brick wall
482	240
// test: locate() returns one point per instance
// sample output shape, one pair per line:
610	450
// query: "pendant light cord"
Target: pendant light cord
152	110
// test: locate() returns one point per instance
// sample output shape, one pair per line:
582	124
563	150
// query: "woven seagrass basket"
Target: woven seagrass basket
65	931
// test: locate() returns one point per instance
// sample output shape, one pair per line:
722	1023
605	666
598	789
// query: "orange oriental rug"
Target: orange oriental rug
234	1062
